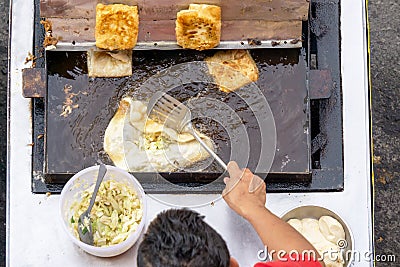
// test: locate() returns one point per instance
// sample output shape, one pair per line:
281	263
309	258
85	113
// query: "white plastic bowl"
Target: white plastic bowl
80	182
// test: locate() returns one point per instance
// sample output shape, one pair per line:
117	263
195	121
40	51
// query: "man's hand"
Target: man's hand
244	191
245	194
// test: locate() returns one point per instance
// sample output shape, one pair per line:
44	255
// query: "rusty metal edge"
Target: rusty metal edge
321	84
163	45
34	82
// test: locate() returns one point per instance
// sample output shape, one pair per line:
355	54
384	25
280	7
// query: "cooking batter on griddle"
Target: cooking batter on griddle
181	238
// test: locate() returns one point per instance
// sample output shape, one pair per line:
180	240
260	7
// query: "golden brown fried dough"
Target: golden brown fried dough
232	69
117	26
199	27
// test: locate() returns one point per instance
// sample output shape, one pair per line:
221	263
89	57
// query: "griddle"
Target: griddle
75	141
317	63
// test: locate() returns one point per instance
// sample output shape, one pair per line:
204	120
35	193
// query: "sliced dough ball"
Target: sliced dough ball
314	231
232	69
109	64
331	254
331	229
117	26
311	231
296	224
199	27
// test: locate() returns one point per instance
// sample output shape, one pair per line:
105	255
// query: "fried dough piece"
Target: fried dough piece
117	26
199	27
138	144
109	64
232	69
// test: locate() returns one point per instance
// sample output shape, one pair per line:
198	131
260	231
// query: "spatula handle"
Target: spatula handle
209	150
100	176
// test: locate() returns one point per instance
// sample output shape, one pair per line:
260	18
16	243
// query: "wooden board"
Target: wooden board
74	20
269	10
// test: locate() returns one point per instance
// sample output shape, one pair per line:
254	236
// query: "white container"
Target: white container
80	182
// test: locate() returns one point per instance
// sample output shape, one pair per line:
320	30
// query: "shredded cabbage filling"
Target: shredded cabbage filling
116	213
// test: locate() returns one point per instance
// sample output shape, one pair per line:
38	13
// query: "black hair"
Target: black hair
181	238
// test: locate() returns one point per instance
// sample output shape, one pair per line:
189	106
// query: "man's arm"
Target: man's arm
245	194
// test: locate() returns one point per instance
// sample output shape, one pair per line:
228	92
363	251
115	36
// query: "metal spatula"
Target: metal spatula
177	116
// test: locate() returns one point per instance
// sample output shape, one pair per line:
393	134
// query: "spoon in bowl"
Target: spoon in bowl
84	223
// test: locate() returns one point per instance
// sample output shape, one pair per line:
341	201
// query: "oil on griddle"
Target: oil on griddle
79	108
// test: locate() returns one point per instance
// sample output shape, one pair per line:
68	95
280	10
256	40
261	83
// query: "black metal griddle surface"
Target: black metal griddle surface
323	35
75	141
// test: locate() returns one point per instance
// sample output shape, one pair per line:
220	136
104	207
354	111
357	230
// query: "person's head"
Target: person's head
181	238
